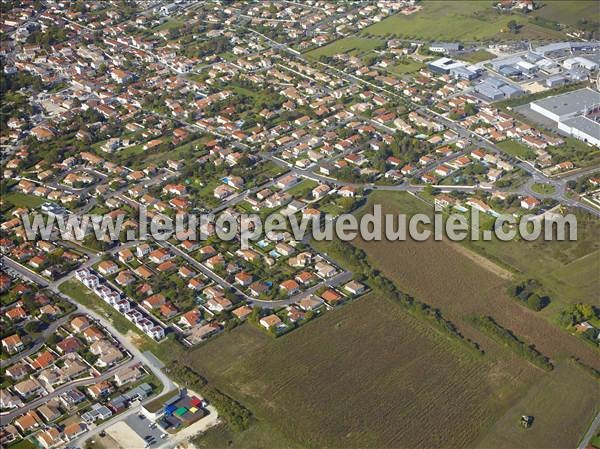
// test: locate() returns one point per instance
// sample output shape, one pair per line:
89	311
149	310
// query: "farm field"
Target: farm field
442	275
259	435
566	388
567	270
474	20
568	13
354	45
320	377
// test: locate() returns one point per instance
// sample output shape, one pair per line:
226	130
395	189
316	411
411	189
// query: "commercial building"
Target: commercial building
562	107
496	89
444	65
573	113
580	62
444	47
582	128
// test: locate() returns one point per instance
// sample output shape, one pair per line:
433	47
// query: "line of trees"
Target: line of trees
504	336
378	281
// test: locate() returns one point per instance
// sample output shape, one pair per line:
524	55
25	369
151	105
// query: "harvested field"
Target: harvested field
440	275
365	375
562	404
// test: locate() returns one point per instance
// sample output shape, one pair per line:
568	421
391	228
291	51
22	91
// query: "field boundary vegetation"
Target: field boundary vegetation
488	326
527	293
378	281
236	416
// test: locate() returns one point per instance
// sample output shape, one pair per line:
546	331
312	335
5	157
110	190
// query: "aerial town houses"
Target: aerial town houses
137	117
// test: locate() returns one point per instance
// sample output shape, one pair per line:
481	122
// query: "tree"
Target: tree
535	302
513	27
32	327
586	310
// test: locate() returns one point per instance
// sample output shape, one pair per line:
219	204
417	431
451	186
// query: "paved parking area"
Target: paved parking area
135	432
142	428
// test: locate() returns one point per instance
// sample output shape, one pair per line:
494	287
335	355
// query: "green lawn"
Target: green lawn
408	66
460	20
568	12
170	24
303	188
477	56
543	189
565	388
516	149
19	199
166	350
354	45
22	444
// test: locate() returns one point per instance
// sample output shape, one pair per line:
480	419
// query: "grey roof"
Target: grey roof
142	390
446	63
489	91
501	62
462	72
570	102
509	70
579	74
584	125
532	57
494	82
448	45
510	91
566	46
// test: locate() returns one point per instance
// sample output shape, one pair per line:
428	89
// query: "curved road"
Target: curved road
8	417
133	350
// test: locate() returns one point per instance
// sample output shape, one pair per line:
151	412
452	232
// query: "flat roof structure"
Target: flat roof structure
584	124
564	106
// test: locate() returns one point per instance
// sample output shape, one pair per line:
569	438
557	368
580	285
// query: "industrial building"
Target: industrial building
573	113
444	65
495	89
582	128
444	47
580	62
562	107
566	47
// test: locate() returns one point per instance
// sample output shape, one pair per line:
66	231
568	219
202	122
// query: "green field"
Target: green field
477	56
567	270
566	388
568	12
260	435
303	189
516	149
543	189
365	375
352	45
19	199
409	66
460	20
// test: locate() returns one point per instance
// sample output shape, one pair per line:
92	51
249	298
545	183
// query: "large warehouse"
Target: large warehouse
572	113
571	104
582	128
